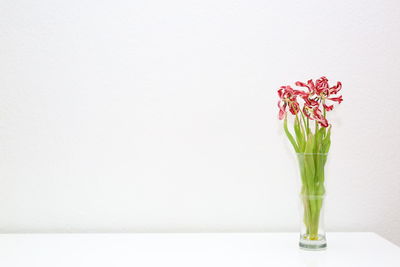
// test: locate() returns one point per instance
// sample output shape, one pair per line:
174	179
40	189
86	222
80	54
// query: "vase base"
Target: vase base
318	244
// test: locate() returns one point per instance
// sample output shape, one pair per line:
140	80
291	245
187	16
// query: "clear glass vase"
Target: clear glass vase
312	199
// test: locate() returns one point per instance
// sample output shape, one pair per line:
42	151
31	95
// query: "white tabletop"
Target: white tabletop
206	250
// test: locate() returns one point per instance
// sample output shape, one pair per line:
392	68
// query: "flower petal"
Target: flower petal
320	118
301	93
306	111
311	102
280	93
311	85
328	108
282	111
336	99
335	89
301	84
294	107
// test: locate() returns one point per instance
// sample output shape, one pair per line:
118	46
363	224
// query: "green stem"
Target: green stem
304	124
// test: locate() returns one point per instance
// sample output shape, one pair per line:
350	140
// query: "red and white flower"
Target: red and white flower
314	113
319	95
288	98
321	92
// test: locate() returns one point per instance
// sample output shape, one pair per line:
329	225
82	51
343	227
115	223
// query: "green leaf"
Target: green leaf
309	143
326	143
289	135
299	135
319	136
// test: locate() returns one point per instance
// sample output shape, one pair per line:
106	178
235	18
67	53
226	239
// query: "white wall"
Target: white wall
161	115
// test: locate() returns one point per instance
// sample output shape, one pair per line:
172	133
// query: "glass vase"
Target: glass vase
312	199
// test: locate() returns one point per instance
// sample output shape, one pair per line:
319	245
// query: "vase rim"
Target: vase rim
302	153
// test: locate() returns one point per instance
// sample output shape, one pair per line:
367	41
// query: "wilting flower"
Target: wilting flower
314	113
325	92
319	117
320	92
317	99
288	98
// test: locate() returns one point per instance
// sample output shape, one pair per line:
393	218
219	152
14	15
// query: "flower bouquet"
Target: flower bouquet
311	141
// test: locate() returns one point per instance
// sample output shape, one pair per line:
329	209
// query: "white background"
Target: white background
161	115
